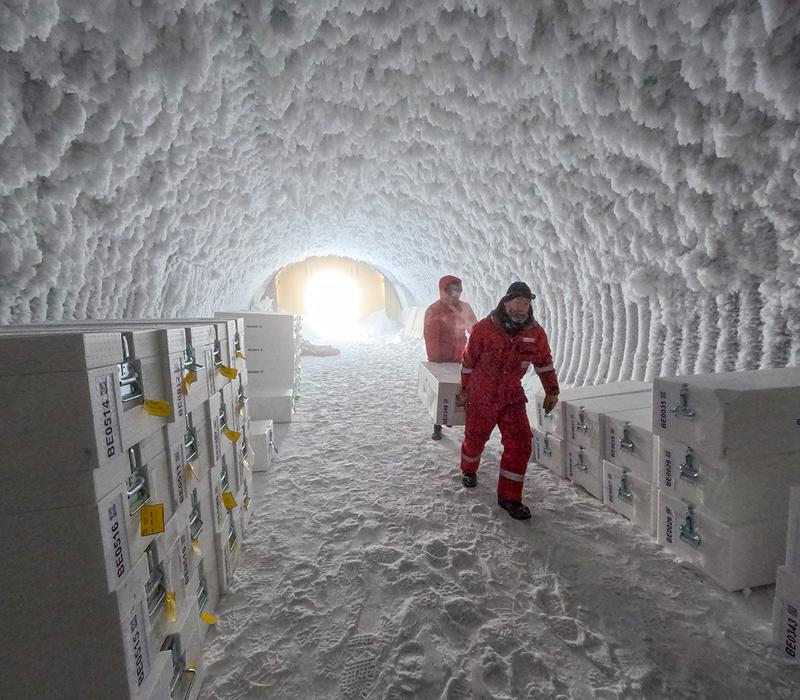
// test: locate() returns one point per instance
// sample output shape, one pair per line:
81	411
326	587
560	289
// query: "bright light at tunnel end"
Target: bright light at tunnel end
332	306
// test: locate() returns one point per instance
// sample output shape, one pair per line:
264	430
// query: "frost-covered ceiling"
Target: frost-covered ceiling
638	162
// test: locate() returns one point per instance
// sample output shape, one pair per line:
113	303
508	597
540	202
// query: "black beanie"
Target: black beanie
518	289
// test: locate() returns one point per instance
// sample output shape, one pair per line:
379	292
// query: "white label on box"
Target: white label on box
137	658
669	477
613	444
210	371
663	409
790	619
178	463
611	495
669	523
184	547
177	386
106	418
112	511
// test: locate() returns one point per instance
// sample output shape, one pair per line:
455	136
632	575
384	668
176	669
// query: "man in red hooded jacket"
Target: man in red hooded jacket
447	322
501	348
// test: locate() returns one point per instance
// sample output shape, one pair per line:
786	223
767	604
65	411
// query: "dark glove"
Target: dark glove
549	403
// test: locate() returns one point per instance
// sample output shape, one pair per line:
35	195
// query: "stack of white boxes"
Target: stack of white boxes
438	386
273	362
105	426
786	606
729	453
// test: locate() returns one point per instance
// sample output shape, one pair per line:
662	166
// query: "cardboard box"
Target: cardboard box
630	496
735	556
548	451
554	421
731	414
786	614
438	384
733	491
629	442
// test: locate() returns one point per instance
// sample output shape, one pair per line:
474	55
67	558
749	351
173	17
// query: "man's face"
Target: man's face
517	308
452	293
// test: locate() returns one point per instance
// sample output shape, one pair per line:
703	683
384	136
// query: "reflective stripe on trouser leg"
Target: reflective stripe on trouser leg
517	435
480	421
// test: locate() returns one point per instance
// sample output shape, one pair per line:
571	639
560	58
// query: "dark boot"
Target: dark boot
516	509
469	480
437	432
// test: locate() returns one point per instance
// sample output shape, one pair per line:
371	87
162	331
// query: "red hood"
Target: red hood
447	279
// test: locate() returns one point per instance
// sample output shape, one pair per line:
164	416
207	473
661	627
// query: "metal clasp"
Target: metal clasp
626	443
581	424
580	464
138	490
231	533
623	492
684	411
189	360
223	476
154	589
217	353
195	517
130	384
202	587
190	440
222	418
688	532
546	445
689	470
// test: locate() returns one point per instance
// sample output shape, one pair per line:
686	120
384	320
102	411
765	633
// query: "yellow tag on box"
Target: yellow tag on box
196	547
152	519
228	500
229	372
240	355
209	618
190	472
188	380
232	435
171	607
157	408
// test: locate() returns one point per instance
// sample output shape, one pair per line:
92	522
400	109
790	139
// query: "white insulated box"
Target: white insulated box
582	417
793	533
732	490
629	441
278	406
554	421
630	496
735	556
731	414
438	384
786	614
548	451
262	442
585	468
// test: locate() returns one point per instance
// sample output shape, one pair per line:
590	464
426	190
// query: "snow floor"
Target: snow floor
370	572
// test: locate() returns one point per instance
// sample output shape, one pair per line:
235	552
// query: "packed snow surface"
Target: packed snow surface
636	161
370	572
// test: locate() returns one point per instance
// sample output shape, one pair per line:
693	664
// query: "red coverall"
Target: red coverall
446	326
491	373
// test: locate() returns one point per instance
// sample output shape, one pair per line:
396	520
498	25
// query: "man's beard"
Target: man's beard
518	316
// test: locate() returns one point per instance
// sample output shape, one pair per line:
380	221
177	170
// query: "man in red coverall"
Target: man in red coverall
447	321
500	350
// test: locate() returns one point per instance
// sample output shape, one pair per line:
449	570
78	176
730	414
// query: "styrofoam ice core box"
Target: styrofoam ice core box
793	532
583	416
262	441
548	451
731	414
554	421
629	495
734	490
278	406
786	614
438	385
735	556
585	468
629	441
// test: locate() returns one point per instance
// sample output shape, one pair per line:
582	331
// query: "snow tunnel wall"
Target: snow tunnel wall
637	162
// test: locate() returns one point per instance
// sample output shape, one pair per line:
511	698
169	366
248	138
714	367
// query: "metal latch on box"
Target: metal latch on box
223	476
688	532
689	470
623	492
195	517
189	361
154	589
581	424
130	384
181	674
202	587
580	464
546	446
138	491
684	410
231	533
217	354
626	443
190	444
